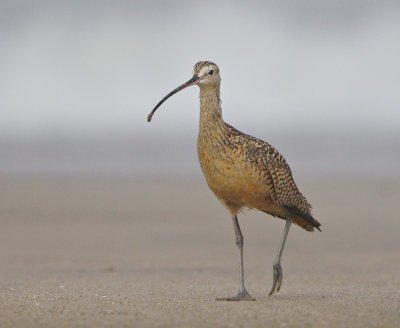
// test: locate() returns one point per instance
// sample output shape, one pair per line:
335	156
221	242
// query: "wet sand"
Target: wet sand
119	252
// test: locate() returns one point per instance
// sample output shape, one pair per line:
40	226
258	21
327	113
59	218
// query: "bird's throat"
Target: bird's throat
210	108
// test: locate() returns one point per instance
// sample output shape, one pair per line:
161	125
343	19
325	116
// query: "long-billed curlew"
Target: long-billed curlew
243	171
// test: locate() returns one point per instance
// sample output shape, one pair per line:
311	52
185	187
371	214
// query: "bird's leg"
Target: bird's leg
243	295
277	269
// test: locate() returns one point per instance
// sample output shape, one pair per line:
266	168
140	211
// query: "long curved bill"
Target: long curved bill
194	80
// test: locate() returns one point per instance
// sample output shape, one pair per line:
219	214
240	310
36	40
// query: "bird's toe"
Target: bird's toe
278	275
241	296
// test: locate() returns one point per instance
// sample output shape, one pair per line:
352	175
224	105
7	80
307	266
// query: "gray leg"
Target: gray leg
243	295
277	264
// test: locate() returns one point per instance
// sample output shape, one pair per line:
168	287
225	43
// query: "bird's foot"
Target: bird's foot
278	275
241	296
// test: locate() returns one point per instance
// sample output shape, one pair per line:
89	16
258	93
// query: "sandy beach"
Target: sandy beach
124	252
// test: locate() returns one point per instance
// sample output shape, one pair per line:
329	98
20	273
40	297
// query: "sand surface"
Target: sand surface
146	253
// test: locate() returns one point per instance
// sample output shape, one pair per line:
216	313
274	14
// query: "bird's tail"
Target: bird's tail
304	220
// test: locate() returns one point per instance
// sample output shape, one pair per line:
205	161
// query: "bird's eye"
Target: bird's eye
211	72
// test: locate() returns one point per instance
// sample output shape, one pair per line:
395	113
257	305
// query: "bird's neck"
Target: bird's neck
210	109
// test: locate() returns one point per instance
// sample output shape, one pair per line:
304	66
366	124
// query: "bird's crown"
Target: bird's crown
205	66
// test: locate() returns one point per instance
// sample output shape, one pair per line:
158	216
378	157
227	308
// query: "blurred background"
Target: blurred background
106	219
319	80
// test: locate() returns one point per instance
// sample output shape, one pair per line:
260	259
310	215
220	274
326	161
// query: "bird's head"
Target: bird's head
208	73
205	75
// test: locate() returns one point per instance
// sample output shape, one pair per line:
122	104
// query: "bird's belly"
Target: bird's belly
235	183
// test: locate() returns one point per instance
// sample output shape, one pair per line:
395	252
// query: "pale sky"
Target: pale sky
320	80
77	67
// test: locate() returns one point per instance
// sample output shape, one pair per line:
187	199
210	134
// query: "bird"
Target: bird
243	172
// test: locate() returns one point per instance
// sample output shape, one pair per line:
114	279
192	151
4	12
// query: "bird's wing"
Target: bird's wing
285	190
278	175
